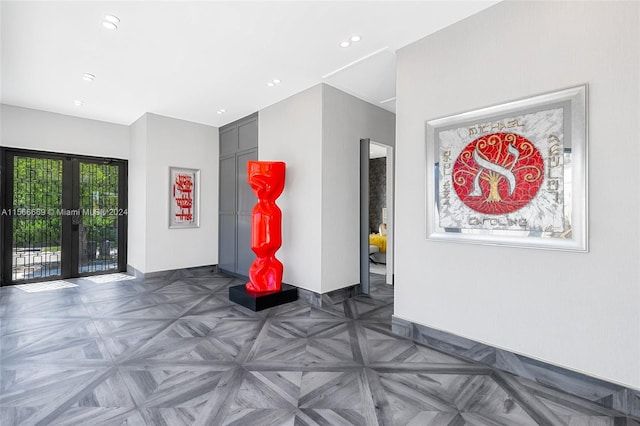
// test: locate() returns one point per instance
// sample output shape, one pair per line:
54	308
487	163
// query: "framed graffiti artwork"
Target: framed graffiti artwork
184	198
512	174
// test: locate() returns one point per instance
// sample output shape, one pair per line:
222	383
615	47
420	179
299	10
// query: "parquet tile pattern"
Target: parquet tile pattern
173	350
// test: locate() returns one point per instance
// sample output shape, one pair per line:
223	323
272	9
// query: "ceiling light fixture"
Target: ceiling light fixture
221	111
88	76
274	82
355	38
345	44
78	103
111	22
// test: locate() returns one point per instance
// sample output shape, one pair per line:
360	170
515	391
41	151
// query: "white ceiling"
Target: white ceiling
188	60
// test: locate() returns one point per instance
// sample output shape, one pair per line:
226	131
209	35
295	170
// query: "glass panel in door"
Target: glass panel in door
99	207
36	218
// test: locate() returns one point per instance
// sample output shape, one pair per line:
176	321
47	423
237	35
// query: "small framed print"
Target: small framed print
512	174
184	198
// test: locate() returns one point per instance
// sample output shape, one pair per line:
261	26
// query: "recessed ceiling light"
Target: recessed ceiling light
88	77
78	103
221	111
345	44
111	22
355	38
271	84
276	81
112	18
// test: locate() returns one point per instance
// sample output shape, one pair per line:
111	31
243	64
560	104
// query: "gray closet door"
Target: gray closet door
227	232
228	141
248	135
246	201
238	145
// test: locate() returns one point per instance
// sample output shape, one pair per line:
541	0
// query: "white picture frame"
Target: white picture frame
184	198
513	174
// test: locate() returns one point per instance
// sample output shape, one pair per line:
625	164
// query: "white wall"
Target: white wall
576	310
317	133
291	131
151	145
345	120
178	143
137	203
47	131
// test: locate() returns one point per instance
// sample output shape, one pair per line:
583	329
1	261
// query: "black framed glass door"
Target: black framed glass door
63	216
100	207
36	233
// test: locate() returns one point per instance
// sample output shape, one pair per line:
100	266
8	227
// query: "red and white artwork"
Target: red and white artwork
504	174
183	197
511	174
183	202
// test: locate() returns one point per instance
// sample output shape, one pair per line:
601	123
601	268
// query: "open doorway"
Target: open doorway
377	209
376	213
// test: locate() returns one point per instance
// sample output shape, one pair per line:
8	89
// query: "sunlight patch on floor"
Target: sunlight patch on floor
46	286
99	279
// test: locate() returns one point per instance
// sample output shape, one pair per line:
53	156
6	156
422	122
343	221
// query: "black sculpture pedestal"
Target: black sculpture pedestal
239	295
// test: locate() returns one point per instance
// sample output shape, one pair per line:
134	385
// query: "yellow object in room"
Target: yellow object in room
378	240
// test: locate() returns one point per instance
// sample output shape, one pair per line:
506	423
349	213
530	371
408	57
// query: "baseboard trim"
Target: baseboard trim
170	273
606	394
135	272
329	298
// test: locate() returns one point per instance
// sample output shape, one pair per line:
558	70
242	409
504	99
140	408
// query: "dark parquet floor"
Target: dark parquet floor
174	351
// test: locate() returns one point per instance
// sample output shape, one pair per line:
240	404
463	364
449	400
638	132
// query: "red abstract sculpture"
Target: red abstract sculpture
267	181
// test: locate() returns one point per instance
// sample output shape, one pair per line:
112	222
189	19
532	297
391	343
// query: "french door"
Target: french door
62	216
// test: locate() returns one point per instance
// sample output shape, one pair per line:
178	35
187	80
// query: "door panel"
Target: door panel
227	184
35	219
227	215
98	230
248	135
229	141
227	235
246	200
246	256
246	197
